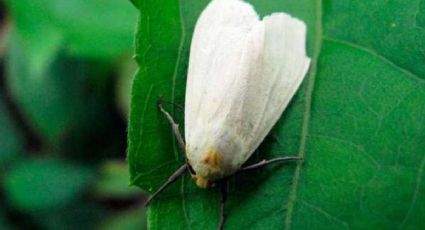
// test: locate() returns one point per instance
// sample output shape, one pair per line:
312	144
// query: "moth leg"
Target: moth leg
223	191
170	180
174	125
267	162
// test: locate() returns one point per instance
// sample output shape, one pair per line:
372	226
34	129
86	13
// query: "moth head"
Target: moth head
201	182
206	166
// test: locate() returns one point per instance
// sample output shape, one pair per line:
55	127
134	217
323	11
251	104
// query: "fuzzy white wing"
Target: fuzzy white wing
242	74
284	66
218	42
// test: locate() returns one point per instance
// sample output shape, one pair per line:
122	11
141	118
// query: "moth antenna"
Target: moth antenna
170	181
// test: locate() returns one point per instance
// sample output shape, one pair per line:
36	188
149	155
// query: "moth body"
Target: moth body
242	74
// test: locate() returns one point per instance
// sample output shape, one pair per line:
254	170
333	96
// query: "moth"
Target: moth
243	72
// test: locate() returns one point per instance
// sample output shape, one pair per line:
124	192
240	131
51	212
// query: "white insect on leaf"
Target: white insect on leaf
242	74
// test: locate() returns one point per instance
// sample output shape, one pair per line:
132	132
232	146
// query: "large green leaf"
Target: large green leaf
358	120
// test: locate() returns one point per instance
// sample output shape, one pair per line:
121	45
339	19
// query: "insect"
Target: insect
242	74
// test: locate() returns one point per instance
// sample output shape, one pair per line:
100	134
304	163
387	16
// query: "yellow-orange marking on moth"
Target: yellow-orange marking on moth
213	159
200	181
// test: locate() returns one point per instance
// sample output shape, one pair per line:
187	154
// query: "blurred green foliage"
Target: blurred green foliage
94	28
64	93
27	189
109	184
10	139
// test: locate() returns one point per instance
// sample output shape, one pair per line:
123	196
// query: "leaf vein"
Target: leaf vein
307	113
325	213
376	55
416	192
173	94
359	148
145	107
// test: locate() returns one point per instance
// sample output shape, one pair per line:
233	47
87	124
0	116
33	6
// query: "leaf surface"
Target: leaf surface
358	121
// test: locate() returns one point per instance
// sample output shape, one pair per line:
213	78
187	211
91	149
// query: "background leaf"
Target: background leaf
358	121
49	102
44	74
112	181
26	187
128	220
65	66
96	28
60	97
3	222
82	214
11	139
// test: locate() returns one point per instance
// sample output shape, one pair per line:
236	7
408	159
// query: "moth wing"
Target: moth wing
284	66
242	74
218	45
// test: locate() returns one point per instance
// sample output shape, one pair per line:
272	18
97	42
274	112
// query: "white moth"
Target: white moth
243	72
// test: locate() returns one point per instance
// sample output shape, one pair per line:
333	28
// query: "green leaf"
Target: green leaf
112	181
127	220
27	190
80	214
3	221
54	100
358	121
89	28
135	3
11	140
